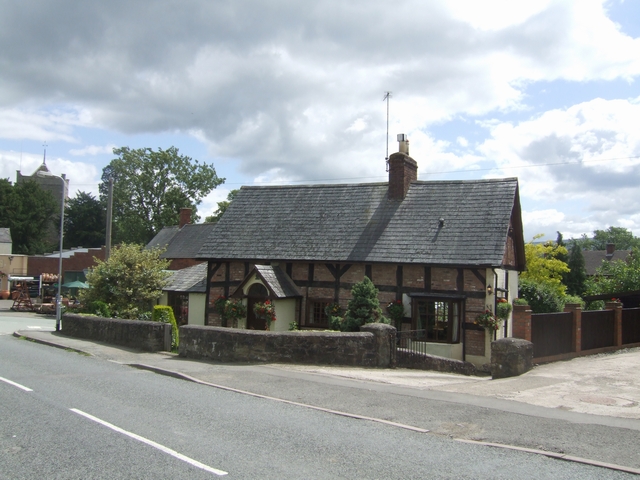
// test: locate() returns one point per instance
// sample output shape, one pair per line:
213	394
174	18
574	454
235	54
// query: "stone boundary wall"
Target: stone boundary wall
374	346
146	336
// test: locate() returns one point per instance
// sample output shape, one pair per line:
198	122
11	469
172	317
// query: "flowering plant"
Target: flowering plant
219	305
265	310
333	310
488	320
235	309
229	309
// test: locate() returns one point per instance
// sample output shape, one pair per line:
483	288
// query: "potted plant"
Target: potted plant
503	309
266	311
488	320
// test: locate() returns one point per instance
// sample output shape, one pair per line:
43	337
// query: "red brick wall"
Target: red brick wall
444	279
475	342
383	274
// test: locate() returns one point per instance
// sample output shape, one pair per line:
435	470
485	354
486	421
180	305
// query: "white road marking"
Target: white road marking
26	389
151	443
35	328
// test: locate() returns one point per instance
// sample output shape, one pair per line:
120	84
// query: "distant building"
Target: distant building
51	184
593	259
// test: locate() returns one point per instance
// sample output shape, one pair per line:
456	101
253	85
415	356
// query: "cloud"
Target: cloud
293	92
92	150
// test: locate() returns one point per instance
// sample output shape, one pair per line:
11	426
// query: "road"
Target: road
12	321
84	417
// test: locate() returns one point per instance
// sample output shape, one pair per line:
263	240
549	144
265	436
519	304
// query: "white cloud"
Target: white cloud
290	92
92	150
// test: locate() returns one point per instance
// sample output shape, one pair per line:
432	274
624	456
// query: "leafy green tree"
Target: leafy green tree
150	188
129	281
28	210
84	222
222	207
576	278
544	266
621	237
364	306
617	276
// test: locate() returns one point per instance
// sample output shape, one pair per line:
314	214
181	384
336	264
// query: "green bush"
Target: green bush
574	299
541	297
335	323
100	309
164	313
595	305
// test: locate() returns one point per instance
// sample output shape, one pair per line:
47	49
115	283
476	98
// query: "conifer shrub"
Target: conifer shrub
164	314
364	307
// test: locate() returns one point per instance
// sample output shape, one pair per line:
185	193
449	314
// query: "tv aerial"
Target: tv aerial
387	96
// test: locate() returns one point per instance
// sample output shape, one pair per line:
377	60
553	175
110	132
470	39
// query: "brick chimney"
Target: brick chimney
611	247
402	170
185	217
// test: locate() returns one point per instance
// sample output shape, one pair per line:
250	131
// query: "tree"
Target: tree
541	296
543	265
128	281
617	276
84	222
28	210
621	237
576	278
364	306
222	207
150	188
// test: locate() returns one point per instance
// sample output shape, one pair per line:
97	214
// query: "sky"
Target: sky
290	92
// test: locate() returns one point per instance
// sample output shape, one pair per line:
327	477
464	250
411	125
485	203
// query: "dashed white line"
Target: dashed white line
151	443
22	387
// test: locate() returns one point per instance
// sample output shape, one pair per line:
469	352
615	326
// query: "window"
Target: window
438	320
316	315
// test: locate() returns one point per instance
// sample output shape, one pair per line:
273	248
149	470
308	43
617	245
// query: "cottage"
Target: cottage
445	249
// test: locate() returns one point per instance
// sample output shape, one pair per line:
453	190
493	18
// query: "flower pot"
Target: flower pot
4	294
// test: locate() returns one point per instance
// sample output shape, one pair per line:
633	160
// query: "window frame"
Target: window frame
455	316
310	308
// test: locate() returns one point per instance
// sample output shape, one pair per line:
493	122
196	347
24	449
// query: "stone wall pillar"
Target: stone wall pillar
521	319
511	357
617	321
576	336
385	336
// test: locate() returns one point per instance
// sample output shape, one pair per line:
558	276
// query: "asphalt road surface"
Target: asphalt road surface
69	416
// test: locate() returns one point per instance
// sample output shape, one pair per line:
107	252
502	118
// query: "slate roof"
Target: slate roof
163	237
594	258
188	241
279	284
5	235
191	279
357	223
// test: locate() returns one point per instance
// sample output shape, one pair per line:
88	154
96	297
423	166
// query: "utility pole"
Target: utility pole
107	250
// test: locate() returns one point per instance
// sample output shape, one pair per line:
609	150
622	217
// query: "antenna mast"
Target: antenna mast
387	96
44	159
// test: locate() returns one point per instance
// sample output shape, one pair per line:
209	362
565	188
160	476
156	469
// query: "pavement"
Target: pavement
605	384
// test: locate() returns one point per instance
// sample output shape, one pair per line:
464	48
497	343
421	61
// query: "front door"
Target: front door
257	293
